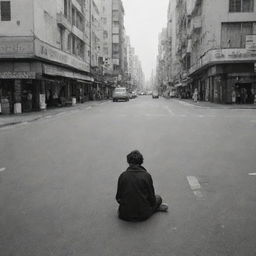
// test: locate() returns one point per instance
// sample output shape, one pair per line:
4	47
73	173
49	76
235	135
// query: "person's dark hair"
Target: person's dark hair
135	158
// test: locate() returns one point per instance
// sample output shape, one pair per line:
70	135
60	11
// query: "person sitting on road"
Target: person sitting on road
135	191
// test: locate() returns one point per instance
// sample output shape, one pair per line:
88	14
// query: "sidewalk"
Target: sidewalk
8	120
204	104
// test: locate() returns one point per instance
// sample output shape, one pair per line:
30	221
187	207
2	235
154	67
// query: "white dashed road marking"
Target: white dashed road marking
89	107
198	194
2	169
252	174
193	183
170	111
195	187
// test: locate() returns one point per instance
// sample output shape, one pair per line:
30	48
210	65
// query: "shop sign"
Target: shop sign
17	75
223	55
250	43
57	71
48	52
16	47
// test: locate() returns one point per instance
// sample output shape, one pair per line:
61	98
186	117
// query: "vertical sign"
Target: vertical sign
250	43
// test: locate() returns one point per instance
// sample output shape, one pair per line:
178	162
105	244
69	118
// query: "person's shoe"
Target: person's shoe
163	208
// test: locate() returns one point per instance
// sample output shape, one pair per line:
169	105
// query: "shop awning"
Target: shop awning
178	85
63	72
83	81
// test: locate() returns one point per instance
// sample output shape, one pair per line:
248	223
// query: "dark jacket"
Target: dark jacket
135	194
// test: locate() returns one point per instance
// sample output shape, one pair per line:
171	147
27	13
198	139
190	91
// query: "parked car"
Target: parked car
155	95
120	93
173	93
134	94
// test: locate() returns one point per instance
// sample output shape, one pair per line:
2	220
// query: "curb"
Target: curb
216	105
49	114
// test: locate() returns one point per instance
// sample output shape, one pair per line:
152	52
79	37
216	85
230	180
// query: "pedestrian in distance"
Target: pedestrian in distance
233	97
135	192
195	95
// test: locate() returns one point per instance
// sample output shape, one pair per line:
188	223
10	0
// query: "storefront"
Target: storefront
18	92
43	86
218	83
35	75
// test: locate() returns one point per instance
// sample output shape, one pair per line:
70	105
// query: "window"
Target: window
73	45
115	39
65	8
241	5
105	50
73	16
5	10
69	42
233	34
105	34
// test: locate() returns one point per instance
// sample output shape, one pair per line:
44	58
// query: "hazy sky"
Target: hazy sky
144	20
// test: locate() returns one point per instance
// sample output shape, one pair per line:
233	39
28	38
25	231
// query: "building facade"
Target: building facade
43	54
214	54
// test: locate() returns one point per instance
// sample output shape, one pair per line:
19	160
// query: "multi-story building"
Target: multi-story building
44	53
130	62
96	34
106	18
217	53
163	61
118	38
223	52
138	75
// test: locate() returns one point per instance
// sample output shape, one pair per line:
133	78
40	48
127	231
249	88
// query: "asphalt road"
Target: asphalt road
58	181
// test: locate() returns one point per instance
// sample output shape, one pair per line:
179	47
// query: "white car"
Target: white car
120	93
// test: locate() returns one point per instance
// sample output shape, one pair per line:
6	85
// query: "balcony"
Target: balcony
77	5
217	56
196	23
195	6
78	33
63	22
116	30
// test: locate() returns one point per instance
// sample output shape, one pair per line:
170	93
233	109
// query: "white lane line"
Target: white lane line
89	107
155	115
48	117
200	116
170	111
193	183
198	194
75	111
61	114
195	187
2	169
252	174
8	127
